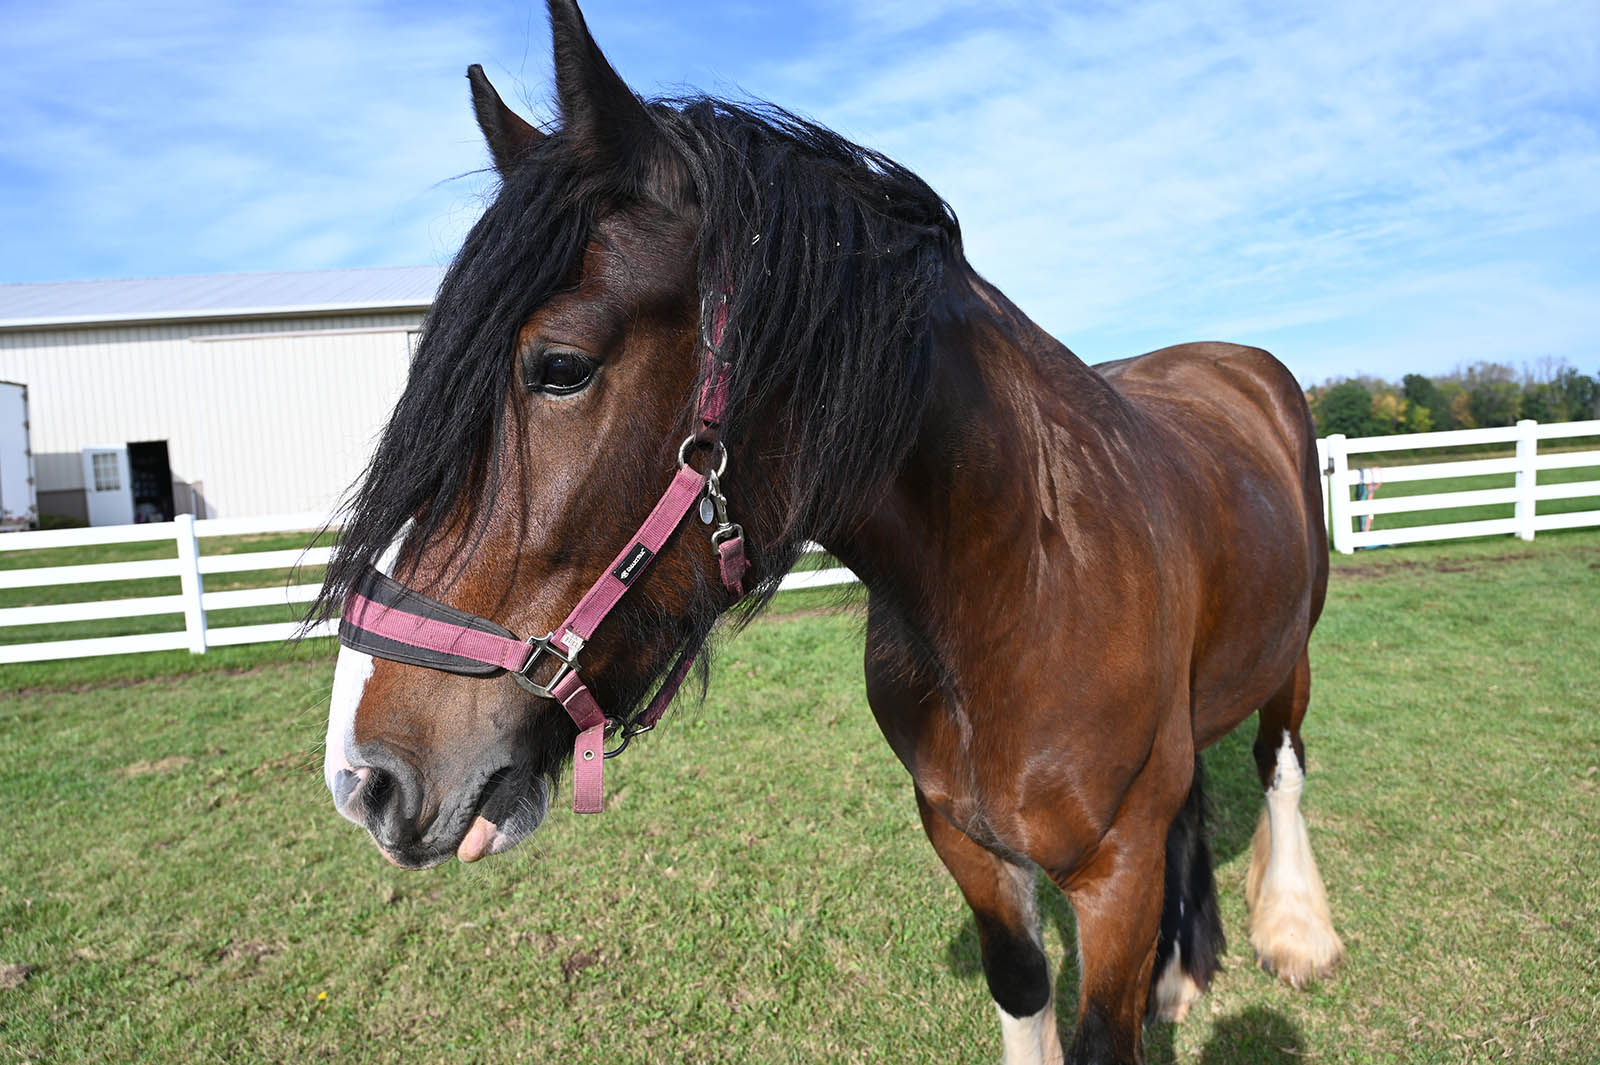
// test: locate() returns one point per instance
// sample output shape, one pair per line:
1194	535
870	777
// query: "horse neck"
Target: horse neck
1012	410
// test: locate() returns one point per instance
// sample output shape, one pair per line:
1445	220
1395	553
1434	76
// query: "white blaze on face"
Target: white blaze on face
350	675
349	680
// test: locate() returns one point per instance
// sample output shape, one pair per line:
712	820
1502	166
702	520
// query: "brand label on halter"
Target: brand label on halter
634	561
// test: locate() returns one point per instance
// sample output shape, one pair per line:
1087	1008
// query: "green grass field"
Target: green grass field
175	887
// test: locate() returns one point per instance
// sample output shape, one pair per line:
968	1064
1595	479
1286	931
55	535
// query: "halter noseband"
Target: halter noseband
385	619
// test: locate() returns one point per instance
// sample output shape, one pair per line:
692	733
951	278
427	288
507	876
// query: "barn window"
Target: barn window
107	472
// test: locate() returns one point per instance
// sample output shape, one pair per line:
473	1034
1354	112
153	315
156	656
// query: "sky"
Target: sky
1361	187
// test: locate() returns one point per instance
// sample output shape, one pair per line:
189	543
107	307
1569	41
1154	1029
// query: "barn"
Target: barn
220	396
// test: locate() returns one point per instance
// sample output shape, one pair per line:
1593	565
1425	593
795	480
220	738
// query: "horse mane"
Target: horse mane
829	255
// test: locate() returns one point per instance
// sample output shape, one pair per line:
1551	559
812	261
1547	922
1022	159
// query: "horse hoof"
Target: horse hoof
1298	953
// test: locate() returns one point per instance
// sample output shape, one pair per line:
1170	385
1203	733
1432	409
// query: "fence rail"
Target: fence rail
1341	476
192	565
192	601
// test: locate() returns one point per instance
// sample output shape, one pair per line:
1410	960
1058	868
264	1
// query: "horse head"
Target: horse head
543	412
638	261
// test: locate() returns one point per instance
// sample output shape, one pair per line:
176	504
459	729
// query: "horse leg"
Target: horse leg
1001	895
1192	940
1290	927
1118	896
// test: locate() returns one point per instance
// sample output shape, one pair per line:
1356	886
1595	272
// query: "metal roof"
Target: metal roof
67	303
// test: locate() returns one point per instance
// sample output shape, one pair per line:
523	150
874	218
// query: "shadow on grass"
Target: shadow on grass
1235	793
1254	1036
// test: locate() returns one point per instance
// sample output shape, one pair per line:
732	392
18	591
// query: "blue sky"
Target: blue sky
1360	187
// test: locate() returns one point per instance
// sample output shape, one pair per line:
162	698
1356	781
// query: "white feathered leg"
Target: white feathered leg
1290	926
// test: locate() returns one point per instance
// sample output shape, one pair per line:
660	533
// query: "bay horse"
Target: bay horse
1078	577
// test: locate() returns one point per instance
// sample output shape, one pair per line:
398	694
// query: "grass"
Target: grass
759	889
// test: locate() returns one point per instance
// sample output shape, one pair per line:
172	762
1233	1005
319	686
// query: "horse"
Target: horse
1077	577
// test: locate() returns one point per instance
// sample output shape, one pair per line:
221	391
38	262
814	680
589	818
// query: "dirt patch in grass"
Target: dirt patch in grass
250	949
579	961
157	680
1375	569
14	976
294	761
162	765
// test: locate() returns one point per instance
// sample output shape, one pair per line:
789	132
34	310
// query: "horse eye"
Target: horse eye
557	373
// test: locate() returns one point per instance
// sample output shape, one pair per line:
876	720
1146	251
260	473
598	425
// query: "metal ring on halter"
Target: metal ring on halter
715	445
628	733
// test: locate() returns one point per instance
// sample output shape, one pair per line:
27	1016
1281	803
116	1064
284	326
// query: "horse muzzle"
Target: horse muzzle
385	794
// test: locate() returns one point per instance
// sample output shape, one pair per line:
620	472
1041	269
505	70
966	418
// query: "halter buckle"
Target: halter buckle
538	646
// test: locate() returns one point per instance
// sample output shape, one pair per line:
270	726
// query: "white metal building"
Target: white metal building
221	396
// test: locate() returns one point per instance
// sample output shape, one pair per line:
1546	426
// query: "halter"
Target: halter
385	619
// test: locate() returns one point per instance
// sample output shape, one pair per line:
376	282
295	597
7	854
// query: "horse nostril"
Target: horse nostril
386	797
380	790
346	783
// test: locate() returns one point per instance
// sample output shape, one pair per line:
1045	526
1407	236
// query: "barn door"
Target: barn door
107	487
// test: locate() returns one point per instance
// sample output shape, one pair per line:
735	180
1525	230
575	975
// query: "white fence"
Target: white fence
1341	474
192	601
192	566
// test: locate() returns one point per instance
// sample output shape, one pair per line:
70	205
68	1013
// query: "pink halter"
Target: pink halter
385	619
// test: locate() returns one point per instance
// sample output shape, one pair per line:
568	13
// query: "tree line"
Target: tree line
1476	397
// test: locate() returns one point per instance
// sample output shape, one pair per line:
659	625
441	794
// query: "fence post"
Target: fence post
1527	476
1323	468
1339	493
194	609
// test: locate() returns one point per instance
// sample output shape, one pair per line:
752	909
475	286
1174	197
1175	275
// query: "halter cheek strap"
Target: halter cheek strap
385	619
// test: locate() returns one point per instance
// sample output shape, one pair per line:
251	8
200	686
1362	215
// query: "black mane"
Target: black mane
829	254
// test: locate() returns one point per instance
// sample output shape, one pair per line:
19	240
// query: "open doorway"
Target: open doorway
150	473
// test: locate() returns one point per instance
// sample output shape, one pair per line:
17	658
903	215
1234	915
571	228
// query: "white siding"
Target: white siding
265	423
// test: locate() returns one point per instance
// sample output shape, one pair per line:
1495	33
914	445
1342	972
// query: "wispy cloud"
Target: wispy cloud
172	138
1135	175
1361	187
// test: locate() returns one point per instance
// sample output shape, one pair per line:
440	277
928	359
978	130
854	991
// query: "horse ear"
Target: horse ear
505	130
597	107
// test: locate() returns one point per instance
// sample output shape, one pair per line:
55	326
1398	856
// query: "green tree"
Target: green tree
1453	401
1346	408
1418	419
1542	403
1579	392
1424	395
1389	410
1493	395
